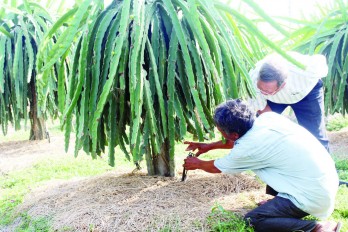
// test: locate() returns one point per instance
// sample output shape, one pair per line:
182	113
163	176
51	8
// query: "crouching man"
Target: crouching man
285	156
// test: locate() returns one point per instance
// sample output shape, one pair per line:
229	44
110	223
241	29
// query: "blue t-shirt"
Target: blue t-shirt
290	160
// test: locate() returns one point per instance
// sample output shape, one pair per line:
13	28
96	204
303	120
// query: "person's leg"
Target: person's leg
281	215
310	114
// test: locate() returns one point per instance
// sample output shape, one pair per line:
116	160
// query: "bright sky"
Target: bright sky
294	8
297	9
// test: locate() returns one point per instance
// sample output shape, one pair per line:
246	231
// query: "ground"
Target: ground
120	200
339	142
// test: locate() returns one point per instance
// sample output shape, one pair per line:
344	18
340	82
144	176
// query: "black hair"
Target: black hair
234	116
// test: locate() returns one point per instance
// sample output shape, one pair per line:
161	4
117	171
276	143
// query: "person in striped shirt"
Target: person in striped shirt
280	83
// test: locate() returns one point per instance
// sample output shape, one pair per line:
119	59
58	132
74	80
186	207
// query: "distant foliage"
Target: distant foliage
328	35
21	31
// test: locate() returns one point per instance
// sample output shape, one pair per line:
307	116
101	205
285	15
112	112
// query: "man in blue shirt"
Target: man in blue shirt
285	156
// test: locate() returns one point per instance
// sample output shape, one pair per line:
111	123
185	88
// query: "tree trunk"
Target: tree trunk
38	129
38	126
161	164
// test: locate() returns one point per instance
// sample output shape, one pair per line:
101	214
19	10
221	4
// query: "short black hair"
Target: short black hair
273	71
234	116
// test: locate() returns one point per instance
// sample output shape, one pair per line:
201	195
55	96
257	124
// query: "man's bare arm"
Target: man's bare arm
205	147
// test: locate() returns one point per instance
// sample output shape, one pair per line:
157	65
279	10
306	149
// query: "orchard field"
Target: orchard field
97	98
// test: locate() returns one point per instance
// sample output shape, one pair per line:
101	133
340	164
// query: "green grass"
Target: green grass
337	122
342	167
221	220
29	224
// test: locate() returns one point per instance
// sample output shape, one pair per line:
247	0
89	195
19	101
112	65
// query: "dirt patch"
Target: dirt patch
141	203
15	155
339	143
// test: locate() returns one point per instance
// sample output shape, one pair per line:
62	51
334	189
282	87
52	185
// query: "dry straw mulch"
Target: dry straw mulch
136	202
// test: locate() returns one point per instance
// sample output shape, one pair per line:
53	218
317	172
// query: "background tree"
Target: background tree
327	35
147	72
22	29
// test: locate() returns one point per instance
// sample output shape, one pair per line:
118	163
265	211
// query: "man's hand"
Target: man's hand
193	163
266	109
202	147
205	147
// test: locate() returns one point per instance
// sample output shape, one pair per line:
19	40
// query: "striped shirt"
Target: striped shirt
299	81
